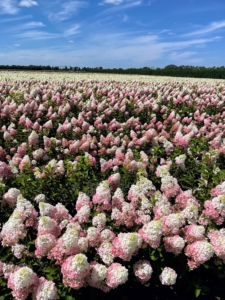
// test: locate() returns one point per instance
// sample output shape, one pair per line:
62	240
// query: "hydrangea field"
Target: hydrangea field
110	185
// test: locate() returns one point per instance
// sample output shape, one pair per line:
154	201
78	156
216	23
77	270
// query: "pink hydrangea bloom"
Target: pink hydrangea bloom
172	223
33	139
103	196
194	233
168	276
114	181
143	270
82	200
98	274
212	213
61	213
126	245
186	198
199	252
48	124
170	186
161	210
128	214
116	275
22	282
46	290
174	244
99	220
217	239
83	214
190	213
118	199
27	211
143	188
142	218
5	170
39	153
93	236
25	163
151	233
18	250
75	270
44	243
107	235
8	269
105	252
67	244
11	196
48	225
218	190
13	230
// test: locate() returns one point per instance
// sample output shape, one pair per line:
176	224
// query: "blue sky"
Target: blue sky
112	33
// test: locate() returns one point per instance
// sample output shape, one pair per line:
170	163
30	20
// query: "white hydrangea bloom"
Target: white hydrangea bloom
99	220
45	208
219	203
52	163
23	278
39	198
98	273
79	262
46	291
163	170
46	223
190	213
17	250
70	237
168	276
83	213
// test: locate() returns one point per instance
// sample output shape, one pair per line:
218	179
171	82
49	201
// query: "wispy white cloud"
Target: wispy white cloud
165	30
72	31
8	7
116	8
208	7
37	35
16	45
15	19
186	54
68	9
142	51
207	29
141	40
185	57
114	2
31	25
125	18
171	33
150	2
168	31
26	26
28	3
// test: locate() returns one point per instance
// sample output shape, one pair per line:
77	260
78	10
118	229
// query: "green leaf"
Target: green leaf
49	277
197	292
153	257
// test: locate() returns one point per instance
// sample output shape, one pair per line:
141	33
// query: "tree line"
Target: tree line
170	70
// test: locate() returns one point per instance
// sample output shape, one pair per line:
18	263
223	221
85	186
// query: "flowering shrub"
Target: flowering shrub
109	183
